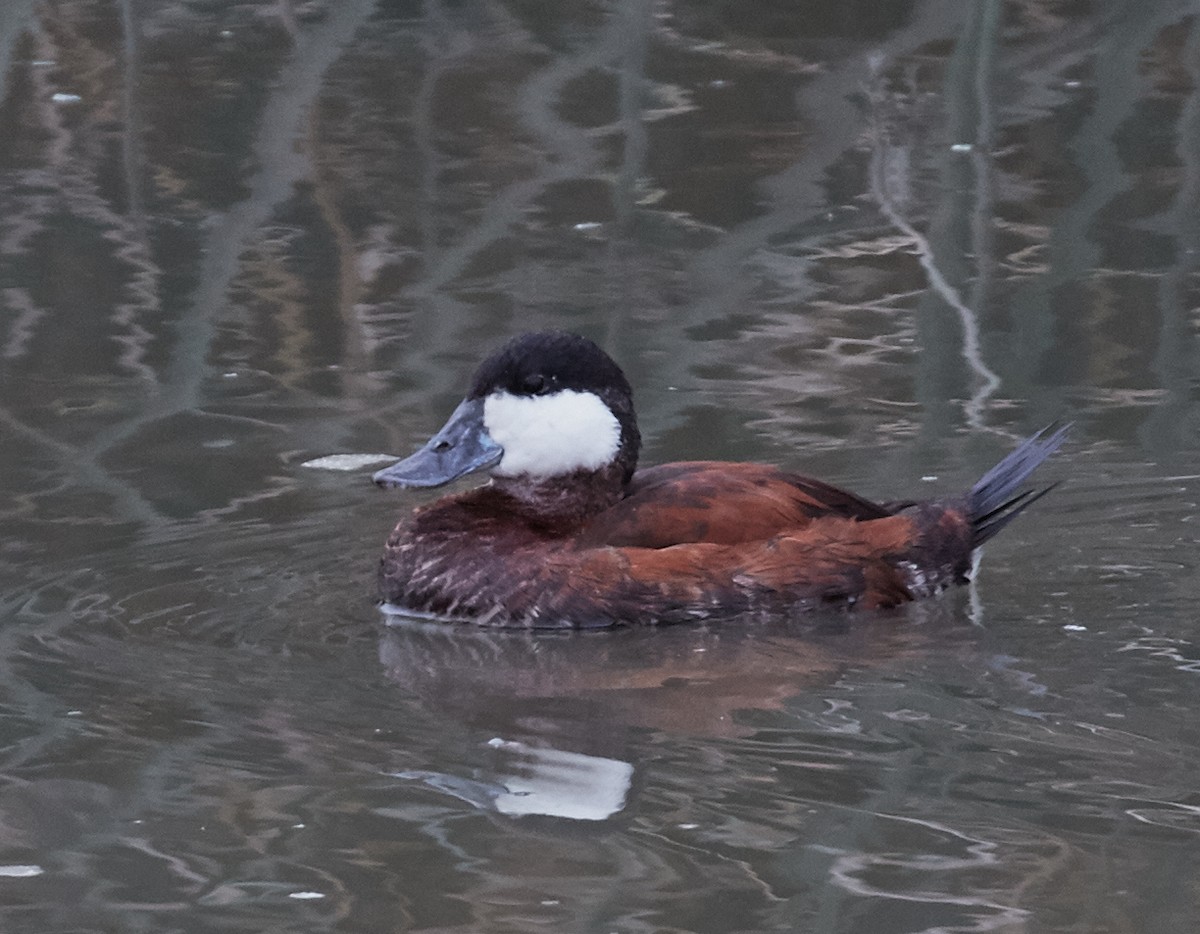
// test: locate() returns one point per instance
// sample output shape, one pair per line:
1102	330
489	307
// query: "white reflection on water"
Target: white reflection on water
562	784
541	781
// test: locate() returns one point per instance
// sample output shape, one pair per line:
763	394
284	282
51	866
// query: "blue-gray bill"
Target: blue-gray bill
459	448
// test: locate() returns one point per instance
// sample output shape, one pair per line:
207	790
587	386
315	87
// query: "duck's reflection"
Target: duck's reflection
566	715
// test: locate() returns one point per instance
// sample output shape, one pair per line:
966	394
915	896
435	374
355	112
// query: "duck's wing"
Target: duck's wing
721	503
832	562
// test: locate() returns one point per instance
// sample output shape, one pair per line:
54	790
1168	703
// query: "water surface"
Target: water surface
875	242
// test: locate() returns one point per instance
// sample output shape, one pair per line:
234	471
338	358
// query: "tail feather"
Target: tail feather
997	498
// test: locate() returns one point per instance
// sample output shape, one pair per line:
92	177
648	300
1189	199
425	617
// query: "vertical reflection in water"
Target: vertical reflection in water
635	21
563	151
68	180
982	48
439	56
795	200
15	16
888	173
1168	427
981	156
17	39
357	378
559	151
440	314
131	335
437	316
182	380
1064	293
281	167
969	78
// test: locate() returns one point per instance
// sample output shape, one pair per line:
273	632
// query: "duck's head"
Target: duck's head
546	406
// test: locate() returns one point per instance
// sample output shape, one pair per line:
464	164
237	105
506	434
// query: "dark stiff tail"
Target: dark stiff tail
996	499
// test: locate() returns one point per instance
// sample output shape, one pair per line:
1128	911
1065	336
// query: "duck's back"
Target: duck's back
720	503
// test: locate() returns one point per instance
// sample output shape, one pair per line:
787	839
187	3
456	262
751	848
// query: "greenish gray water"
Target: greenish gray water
875	242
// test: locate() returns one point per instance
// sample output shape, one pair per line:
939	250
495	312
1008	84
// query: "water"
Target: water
874	242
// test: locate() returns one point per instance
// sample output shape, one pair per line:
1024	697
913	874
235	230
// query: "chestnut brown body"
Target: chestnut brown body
569	533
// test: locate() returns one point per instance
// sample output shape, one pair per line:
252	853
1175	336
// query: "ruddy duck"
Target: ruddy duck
569	533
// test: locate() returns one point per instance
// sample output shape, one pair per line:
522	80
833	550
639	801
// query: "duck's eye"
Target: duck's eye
535	384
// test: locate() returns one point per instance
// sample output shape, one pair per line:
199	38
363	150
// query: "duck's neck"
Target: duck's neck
564	501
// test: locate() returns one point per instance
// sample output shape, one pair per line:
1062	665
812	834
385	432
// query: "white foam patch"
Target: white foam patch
547	436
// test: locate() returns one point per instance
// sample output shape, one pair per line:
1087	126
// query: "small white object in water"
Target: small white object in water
348	462
20	872
1074	627
962	147
61	98
307	896
587	225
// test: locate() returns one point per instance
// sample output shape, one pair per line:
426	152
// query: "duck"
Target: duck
569	533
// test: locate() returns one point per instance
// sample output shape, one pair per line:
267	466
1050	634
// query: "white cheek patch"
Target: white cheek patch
547	436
